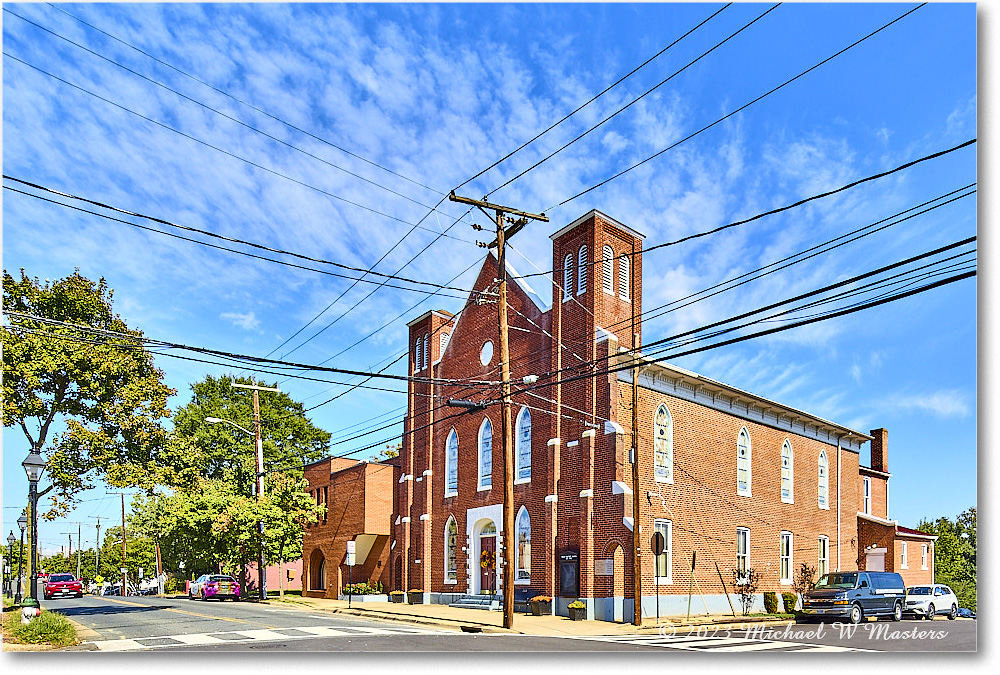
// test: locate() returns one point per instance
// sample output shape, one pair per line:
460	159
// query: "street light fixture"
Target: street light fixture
259	491
22	523
33	465
8	568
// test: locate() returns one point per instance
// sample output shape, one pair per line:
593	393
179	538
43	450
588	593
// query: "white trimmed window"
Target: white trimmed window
786	473
665	561
485	455
444	341
568	276
663	445
903	562
823	563
824	480
866	499
522	565
581	272
417	352
923	556
623	276
785	570
608	265
451	464
522	472
451	551
743	454
742	549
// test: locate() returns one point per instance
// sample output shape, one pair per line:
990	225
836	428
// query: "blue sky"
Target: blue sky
436	94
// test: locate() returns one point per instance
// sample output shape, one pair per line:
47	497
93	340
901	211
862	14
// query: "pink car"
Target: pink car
220	586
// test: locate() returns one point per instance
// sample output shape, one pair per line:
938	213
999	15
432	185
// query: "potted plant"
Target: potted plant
541	605
577	610
415	596
397	596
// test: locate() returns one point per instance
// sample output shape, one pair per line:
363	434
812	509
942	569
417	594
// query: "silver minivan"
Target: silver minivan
856	595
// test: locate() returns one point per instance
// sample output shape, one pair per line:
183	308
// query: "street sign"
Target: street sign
352	546
140	573
123	570
350	559
181	564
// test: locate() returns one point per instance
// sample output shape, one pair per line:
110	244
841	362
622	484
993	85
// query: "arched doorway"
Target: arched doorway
317	571
486	560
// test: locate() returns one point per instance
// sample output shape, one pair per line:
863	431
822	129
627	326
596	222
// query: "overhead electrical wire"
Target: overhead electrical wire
738	110
226	152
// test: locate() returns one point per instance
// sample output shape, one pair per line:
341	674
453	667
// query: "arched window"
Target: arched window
623	268
417	352
609	269
451	464
450	551
568	276
523	470
444	341
522	528
743	452
485	455
786	473
824	480
427	350
581	272
663	445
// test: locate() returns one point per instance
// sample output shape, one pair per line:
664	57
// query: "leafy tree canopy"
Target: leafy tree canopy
104	387
223	451
955	554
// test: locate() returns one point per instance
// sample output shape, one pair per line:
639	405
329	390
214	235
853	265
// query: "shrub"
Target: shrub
398	593
771	602
49	627
789	600
577	604
363	588
804	579
542	598
745	586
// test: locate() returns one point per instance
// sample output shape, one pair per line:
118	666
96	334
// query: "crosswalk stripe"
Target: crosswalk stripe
701	643
250	635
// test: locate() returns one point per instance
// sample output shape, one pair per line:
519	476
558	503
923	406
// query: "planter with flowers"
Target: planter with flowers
577	611
397	596
541	605
415	596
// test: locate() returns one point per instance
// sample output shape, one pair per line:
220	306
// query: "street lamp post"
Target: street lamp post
258	489
22	523
8	568
33	466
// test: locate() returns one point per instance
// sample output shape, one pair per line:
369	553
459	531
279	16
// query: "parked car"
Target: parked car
928	600
855	596
219	586
966	613
62	584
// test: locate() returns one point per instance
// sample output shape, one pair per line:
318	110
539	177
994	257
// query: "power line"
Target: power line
225	152
224	238
741	108
591	100
631	103
241	102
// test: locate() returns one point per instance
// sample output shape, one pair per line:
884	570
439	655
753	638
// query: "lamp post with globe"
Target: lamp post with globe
22	523
33	465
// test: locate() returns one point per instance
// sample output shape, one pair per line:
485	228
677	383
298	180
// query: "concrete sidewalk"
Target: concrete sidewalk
478	620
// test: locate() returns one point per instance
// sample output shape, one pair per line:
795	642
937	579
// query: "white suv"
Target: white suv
929	600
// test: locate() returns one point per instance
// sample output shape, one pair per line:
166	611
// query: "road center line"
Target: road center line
209	616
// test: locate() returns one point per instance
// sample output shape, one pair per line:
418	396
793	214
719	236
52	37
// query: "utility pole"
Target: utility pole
79	546
505	426
636	502
259	444
97	548
124	573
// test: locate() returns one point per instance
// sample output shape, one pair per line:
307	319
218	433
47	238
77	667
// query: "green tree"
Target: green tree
955	554
139	553
102	386
288	508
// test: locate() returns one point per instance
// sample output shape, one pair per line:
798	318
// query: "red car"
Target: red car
62	584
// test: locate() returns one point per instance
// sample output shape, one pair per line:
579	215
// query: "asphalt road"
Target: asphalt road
179	624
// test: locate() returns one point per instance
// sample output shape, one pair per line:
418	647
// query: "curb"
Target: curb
426	621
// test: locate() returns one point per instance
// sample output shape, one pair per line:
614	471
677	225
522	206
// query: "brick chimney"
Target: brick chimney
880	450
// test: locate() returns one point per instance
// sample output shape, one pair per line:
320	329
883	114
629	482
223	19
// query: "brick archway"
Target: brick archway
317	571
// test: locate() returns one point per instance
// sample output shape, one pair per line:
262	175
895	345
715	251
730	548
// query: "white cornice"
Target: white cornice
602	216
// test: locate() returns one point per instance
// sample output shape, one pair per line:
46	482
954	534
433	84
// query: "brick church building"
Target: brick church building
744	481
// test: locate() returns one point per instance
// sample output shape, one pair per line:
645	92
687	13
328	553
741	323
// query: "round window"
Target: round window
486	355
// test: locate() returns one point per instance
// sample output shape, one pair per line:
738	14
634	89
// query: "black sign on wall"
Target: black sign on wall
569	574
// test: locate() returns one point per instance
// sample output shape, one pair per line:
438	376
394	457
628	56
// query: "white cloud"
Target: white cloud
947	403
244	321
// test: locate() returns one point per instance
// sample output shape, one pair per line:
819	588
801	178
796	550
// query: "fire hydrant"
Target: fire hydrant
30	610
